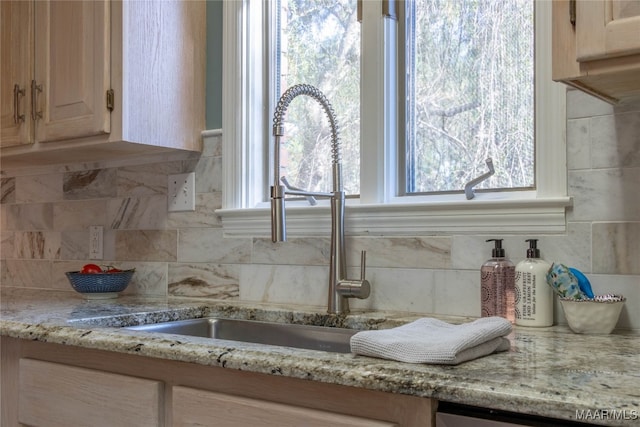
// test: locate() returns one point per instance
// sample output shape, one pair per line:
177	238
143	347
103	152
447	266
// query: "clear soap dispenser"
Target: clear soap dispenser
497	290
534	297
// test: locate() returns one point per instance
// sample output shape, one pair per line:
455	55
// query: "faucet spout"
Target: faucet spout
340	288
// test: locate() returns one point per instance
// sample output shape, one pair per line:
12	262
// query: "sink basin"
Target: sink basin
282	334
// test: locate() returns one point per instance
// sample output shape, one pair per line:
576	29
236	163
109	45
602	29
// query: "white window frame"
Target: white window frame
378	211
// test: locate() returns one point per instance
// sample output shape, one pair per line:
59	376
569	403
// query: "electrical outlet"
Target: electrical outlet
96	242
181	195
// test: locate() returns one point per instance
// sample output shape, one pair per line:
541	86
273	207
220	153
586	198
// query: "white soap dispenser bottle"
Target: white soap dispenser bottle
534	297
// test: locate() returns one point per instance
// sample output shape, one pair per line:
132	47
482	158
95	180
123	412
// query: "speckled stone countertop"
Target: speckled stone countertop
550	371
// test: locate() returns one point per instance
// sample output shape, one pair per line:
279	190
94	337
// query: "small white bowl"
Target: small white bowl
598	315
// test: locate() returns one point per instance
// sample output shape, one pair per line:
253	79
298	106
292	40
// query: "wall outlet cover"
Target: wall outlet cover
96	242
181	194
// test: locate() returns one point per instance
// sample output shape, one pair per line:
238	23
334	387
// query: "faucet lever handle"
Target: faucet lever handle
352	288
312	200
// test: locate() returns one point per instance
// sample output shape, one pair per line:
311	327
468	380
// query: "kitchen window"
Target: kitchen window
469	94
388	202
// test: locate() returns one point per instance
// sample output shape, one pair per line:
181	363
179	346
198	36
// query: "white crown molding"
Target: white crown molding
489	216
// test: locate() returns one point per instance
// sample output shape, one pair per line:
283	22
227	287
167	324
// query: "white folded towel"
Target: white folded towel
431	340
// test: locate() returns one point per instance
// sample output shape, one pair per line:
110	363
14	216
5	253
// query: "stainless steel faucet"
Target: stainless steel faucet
340	287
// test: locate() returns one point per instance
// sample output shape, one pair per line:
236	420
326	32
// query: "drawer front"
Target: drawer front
52	394
192	407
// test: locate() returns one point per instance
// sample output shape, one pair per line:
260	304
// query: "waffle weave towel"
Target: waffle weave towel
431	340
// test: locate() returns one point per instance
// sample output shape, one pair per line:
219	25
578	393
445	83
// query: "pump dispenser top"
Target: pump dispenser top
498	250
533	251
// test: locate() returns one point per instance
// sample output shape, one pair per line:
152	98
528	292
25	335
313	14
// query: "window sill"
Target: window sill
523	215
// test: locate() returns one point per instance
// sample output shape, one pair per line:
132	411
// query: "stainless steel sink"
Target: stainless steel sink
282	334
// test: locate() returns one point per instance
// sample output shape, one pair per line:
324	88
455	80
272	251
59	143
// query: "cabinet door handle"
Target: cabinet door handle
572	12
35	88
17	94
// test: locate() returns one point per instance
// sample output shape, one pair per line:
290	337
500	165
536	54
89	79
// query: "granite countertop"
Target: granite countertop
548	371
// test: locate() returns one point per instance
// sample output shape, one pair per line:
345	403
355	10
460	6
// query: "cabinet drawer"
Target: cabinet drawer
193	407
52	394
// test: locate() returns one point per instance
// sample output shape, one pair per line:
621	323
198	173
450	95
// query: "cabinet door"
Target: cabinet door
192	407
53	394
607	28
72	69
16	57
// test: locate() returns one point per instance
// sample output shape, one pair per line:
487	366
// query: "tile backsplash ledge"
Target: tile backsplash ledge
45	216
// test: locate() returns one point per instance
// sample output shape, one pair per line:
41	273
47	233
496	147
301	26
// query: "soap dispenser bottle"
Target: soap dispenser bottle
534	297
497	290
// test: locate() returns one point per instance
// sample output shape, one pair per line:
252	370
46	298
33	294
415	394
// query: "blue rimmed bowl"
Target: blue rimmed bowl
100	285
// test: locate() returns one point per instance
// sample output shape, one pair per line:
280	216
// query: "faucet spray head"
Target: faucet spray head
278	221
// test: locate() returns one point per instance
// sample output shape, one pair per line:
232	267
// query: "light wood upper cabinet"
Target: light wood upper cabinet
55	70
104	79
607	29
72	68
600	52
16	56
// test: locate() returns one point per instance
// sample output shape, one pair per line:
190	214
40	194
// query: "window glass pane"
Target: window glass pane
318	43
470	93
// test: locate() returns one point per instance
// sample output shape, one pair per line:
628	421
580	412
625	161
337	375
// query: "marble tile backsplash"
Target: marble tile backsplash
45	215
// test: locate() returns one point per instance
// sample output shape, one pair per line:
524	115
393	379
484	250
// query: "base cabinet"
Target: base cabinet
56	385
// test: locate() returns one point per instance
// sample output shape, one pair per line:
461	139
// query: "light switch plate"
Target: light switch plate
181	194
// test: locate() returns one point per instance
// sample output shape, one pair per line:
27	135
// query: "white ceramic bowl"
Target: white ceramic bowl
598	315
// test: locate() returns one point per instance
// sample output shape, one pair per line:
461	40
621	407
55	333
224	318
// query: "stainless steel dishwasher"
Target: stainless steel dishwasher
455	415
